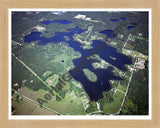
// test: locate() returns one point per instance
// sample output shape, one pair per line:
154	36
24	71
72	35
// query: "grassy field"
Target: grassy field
26	107
130	52
114	106
70	105
122	88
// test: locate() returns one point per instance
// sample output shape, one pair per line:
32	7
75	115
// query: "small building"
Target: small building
15	85
79	16
120	36
140	63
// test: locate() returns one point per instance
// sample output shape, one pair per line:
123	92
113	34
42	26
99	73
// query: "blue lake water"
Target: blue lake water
114	20
108	33
93	89
130	27
56	21
122	18
133	23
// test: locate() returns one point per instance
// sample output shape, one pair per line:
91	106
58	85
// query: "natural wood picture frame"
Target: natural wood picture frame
4	41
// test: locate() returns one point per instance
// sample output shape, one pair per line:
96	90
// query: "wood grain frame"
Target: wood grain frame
4	41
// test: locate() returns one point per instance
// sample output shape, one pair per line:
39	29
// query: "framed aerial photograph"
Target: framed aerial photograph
89	62
79	64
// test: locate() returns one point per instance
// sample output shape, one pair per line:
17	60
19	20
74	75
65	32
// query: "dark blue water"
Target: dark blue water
130	27
108	33
32	37
56	21
114	20
122	18
93	89
133	23
58	37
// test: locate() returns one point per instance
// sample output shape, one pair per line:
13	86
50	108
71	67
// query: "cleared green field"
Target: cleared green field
26	107
47	73
122	88
52	80
130	52
70	105
114	106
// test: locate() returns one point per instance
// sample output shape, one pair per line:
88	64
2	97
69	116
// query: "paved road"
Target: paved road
16	42
127	88
126	41
88	34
